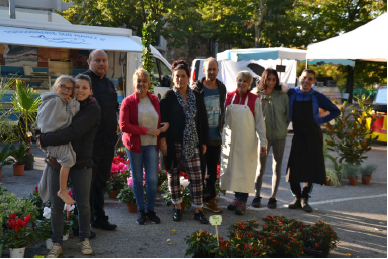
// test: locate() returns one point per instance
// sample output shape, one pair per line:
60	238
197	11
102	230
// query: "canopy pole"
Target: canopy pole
350	83
306	63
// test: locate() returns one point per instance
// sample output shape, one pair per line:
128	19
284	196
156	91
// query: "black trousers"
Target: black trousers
212	159
101	171
298	192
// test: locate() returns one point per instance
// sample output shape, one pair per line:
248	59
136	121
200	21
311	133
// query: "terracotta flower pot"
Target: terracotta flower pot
131	207
328	182
18	170
353	180
113	194
366	179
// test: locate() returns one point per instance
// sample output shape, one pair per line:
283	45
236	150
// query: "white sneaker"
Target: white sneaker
55	251
86	249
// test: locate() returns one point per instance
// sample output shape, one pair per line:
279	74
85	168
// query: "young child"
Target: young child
56	112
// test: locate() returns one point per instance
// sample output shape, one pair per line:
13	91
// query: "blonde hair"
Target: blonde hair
63	79
245	74
140	72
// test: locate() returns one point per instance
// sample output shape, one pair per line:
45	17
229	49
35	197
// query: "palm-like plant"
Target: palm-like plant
6	155
26	102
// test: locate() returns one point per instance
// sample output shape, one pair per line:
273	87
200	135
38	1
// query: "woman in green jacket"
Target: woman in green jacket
275	106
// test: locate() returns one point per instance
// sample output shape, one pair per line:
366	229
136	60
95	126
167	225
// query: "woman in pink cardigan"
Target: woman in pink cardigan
140	123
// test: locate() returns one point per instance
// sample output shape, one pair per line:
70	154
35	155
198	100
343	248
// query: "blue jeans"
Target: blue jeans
81	180
149	159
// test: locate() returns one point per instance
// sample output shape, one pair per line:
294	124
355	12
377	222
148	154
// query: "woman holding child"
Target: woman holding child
80	133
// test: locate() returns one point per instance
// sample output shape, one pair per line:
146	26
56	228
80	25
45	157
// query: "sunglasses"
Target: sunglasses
65	88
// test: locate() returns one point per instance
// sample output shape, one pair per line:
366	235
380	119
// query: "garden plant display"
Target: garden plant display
19	232
119	172
278	237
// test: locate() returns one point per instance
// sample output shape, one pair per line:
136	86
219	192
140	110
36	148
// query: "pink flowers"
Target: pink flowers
118	168
130	181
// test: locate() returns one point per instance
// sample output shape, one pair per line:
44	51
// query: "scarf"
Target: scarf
190	136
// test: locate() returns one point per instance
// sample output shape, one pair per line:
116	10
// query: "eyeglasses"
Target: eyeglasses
65	88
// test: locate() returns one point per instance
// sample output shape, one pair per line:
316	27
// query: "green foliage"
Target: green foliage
10	204
350	136
19	232
333	170
126	195
367	170
43	228
26	102
148	61
7	127
320	236
6	155
20	153
279	237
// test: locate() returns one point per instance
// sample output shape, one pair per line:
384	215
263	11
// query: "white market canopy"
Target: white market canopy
281	53
367	42
56	35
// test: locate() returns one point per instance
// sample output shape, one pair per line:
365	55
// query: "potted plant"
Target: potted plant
127	196
20	155
25	101
349	136
119	172
201	244
18	235
366	173
44	232
6	156
352	172
319	239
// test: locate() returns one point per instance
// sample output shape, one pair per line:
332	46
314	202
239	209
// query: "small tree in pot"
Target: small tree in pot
349	136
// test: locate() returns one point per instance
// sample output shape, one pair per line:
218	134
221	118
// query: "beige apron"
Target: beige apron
239	149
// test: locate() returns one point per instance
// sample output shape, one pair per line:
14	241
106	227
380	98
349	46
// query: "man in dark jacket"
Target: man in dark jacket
106	137
214	92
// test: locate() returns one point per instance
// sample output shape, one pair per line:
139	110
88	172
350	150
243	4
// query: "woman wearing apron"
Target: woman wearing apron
243	122
306	163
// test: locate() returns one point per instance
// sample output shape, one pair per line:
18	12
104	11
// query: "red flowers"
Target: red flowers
15	223
118	159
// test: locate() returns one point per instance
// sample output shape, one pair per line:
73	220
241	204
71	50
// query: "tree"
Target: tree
130	14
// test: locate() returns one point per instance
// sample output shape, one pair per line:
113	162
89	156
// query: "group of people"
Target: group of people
195	128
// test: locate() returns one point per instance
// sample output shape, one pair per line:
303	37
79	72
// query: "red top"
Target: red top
129	123
251	100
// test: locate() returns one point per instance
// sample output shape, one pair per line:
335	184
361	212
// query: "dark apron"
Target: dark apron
306	162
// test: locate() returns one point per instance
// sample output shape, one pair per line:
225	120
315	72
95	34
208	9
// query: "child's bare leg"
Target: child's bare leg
62	193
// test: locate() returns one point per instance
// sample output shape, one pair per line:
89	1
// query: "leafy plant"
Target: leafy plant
148	62
350	136
320	236
18	234
43	228
20	153
367	170
7	127
6	155
25	101
352	170
201	243
126	195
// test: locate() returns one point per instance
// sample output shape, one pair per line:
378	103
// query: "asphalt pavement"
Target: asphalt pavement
357	213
